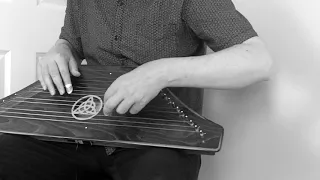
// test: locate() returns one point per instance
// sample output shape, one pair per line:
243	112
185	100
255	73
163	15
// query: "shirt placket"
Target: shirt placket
118	29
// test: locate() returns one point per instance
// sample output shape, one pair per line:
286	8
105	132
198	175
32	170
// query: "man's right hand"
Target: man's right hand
55	67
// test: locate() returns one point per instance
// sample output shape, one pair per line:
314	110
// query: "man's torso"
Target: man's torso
131	32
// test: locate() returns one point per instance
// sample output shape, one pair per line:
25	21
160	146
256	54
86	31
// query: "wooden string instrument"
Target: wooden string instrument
165	122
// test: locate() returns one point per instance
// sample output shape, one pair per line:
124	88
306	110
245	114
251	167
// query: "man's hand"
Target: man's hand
134	90
55	68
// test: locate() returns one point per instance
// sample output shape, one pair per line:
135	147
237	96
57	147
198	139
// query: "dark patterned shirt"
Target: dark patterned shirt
132	32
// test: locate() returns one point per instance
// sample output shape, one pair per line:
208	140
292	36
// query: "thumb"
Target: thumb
73	66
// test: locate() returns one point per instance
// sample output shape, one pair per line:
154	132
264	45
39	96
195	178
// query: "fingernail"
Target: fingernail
69	88
52	92
106	113
44	88
61	92
77	73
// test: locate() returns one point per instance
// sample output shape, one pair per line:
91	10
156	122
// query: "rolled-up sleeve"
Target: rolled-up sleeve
217	22
71	29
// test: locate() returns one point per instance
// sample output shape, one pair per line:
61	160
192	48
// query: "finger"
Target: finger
55	75
64	72
137	107
39	74
124	106
73	66
47	79
109	92
111	103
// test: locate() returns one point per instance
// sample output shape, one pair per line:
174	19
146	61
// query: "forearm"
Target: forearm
235	67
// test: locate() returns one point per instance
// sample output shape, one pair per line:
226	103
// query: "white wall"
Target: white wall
27	27
272	130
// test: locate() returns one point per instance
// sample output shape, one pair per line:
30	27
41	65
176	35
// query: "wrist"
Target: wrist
177	70
169	70
156	70
62	47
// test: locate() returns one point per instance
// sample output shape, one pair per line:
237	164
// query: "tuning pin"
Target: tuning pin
202	134
181	114
198	129
110	73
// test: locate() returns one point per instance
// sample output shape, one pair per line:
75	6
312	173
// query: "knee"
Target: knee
163	154
171	157
165	164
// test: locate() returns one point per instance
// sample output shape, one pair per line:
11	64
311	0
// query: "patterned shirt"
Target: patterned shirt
133	32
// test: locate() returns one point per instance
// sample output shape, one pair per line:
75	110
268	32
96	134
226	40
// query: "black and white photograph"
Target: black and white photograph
159	90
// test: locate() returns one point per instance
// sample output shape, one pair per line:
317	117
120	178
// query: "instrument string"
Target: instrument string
57	104
146	109
98	84
43	99
79	94
62	100
100	124
76	90
107	120
40	91
104	71
61	104
110	78
109	81
126	117
81	87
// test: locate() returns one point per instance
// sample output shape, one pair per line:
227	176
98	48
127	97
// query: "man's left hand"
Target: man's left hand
135	89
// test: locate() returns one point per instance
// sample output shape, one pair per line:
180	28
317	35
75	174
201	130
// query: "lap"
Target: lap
22	157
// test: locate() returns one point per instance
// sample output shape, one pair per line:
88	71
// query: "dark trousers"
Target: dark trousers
25	158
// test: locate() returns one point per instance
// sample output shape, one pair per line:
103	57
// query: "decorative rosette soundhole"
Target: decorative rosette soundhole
86	107
183	115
